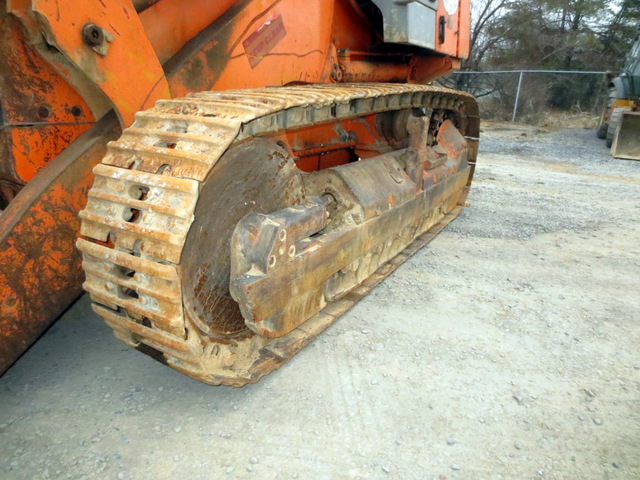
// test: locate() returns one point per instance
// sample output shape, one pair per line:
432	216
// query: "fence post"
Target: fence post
515	105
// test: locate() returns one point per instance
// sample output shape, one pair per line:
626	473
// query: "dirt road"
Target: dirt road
508	348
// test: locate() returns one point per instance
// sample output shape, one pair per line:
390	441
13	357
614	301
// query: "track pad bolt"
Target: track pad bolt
97	38
92	34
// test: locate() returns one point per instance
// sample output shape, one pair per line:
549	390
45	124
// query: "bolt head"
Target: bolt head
92	35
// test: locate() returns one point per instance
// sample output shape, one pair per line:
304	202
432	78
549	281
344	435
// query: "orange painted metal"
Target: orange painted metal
41	116
128	53
427	69
35	147
223	61
170	24
350	29
464	29
456	29
357	67
332	144
622	104
41	274
340	50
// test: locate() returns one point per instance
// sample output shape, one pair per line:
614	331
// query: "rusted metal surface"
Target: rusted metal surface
135	245
41	112
262	244
40	270
389	206
242	182
626	143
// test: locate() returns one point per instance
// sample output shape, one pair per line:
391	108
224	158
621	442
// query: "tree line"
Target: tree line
548	35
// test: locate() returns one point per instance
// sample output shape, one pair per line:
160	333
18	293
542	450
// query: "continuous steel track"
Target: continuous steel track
142	204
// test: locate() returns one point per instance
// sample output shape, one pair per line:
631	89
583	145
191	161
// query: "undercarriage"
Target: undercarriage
224	231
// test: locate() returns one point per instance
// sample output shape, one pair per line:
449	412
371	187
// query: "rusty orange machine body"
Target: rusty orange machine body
73	75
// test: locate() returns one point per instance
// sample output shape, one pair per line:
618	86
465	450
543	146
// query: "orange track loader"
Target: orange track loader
228	177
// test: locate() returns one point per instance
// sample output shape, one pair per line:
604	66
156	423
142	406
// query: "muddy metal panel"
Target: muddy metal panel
412	22
626	143
40	268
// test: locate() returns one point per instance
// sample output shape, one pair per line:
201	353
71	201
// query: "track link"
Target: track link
142	204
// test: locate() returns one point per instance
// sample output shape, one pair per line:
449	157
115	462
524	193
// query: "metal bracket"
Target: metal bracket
130	78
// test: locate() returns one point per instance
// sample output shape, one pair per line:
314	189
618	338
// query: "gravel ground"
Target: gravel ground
508	348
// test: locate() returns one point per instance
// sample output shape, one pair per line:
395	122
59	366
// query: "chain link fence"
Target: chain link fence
533	96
